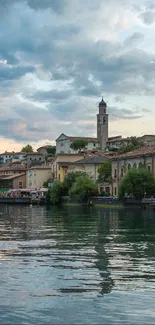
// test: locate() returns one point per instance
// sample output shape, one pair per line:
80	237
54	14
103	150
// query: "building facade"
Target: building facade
144	156
89	165
34	159
8	182
61	163
63	143
36	176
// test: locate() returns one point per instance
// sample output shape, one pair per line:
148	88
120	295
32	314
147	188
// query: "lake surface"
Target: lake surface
76	265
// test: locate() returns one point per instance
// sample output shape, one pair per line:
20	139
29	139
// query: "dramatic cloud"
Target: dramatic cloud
57	57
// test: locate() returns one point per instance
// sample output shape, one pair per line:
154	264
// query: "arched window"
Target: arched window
140	165
134	165
129	166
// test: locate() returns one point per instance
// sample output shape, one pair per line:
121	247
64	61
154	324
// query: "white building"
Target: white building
12	156
63	143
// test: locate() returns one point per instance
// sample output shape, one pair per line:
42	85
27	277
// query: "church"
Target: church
63	142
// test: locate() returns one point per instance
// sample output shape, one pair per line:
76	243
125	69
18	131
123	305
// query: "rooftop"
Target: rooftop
39	167
92	160
88	139
143	151
12	168
11	177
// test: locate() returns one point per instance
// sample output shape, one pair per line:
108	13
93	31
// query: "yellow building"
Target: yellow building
61	163
90	165
144	156
36	176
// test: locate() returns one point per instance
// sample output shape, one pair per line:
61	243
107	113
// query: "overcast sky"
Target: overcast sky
58	57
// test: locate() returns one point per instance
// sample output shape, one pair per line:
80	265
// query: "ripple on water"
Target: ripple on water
67	265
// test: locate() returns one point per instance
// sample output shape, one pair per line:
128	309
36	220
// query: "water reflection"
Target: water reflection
75	254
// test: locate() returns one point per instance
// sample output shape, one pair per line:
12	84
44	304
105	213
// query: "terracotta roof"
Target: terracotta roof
143	151
91	160
34	153
65	163
10	177
44	147
12	168
119	139
88	139
148	135
39	167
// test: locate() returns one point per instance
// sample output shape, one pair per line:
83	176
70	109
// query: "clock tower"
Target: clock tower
102	124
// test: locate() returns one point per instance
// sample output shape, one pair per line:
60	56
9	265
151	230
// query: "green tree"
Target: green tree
70	179
104	171
78	144
135	143
45	184
138	183
55	192
51	150
27	148
83	188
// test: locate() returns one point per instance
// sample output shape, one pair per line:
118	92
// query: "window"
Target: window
140	165
129	166
107	190
59	177
134	165
122	171
20	184
40	158
115	190
149	168
94	144
115	172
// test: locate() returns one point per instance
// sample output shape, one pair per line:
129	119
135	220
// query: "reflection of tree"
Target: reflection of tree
87	226
102	263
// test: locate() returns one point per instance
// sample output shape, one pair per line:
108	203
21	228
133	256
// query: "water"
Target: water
76	265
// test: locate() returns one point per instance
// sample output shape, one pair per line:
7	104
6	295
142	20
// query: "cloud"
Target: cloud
61	56
148	15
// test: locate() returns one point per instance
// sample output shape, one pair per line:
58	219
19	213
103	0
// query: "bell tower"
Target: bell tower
102	124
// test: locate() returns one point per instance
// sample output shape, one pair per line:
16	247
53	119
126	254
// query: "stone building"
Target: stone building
144	156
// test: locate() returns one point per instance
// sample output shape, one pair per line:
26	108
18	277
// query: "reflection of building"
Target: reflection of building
102	263
143	157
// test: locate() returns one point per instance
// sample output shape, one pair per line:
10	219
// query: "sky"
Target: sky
58	57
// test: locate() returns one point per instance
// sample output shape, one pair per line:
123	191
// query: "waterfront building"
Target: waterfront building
142	157
37	175
61	163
